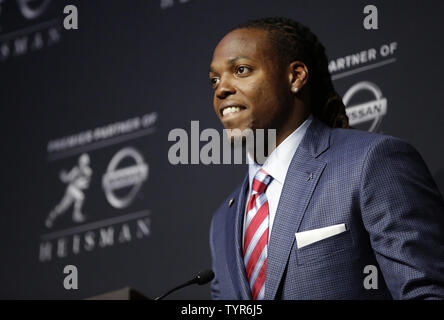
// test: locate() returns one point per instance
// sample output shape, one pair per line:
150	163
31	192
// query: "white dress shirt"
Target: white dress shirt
277	166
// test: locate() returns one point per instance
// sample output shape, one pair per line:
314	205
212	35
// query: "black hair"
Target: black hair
296	42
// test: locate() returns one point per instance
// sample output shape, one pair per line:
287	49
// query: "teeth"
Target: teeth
230	110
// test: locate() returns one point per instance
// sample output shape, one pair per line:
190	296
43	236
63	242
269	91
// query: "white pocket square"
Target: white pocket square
305	238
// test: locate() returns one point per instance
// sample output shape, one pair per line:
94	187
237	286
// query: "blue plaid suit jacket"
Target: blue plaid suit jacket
379	187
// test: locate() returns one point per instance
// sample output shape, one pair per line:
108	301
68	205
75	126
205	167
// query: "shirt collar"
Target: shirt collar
279	160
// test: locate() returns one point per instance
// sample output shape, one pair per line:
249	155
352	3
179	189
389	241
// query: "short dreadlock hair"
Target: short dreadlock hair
296	42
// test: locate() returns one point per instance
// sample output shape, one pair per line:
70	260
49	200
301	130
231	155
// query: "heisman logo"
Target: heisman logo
77	181
372	111
117	180
123	179
17	37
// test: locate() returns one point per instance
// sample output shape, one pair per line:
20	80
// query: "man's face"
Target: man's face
251	89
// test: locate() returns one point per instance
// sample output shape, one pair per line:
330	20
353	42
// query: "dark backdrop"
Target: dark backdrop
148	61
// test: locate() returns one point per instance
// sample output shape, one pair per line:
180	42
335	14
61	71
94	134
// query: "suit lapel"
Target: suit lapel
234	241
302	177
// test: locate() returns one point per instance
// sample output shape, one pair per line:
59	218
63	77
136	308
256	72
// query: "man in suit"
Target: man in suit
329	203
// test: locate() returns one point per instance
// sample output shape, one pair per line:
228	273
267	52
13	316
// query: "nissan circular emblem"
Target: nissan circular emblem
127	179
371	112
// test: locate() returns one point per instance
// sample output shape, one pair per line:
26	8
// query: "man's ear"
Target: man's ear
297	75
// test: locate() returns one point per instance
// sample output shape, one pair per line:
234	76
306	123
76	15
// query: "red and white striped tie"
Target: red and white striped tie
256	235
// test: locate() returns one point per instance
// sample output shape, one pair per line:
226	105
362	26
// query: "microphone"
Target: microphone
201	278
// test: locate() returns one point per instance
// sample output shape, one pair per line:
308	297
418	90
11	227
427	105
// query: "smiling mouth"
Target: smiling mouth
231	110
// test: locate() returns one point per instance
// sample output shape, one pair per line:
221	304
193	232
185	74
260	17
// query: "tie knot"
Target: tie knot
261	181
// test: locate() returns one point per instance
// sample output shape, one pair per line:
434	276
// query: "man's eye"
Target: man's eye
214	81
242	70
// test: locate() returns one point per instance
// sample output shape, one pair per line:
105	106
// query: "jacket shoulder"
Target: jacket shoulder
360	143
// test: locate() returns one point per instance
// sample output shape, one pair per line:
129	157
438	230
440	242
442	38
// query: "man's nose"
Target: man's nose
225	88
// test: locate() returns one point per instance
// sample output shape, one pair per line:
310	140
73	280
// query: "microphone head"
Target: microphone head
204	277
